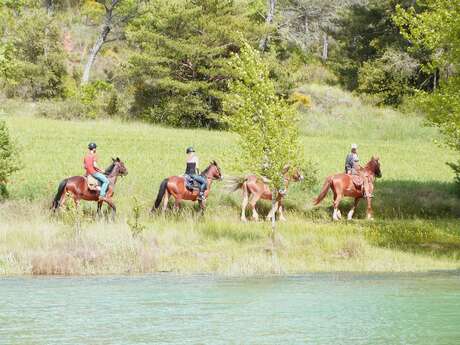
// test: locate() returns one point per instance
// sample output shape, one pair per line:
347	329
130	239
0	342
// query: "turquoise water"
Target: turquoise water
163	309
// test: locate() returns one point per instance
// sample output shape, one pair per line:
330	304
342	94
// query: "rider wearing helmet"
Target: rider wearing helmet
192	171
91	168
352	167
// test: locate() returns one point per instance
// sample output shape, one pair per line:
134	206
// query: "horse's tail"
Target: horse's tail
234	183
161	193
59	193
323	193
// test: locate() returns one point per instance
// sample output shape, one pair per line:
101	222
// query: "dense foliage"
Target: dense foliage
167	61
9	162
266	124
32	61
178	67
438	29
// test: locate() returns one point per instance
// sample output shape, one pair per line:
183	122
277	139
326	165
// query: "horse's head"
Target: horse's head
119	167
296	174
374	166
213	171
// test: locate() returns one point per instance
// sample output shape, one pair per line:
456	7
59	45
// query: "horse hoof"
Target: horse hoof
283	219
244	220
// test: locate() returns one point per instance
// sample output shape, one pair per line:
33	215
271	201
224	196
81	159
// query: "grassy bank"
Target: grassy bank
417	211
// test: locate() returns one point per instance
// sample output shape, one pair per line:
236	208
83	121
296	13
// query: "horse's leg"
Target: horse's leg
202	204
112	206
244	204
352	211
369	208
165	201
177	203
252	205
272	211
99	208
337	197
280	211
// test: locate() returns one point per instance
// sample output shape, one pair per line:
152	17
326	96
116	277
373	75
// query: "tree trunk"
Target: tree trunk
268	20
106	27
49	7
325	47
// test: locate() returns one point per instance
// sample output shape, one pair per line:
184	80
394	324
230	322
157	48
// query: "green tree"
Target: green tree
266	124
438	29
31	55
178	69
372	56
9	162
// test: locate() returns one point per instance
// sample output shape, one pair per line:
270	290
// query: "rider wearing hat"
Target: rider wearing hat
192	171
91	168
352	167
352	160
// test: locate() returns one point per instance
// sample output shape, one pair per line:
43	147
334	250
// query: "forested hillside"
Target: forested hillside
168	62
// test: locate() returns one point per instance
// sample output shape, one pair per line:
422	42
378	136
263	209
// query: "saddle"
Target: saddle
93	184
190	183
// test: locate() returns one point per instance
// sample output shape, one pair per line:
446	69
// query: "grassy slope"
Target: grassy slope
417	213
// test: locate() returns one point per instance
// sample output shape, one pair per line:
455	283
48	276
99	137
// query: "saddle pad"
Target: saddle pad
357	180
93	183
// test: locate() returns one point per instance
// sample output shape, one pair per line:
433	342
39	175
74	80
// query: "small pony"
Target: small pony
255	188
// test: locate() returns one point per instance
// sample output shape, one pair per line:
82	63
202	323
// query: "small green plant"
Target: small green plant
134	223
8	159
71	215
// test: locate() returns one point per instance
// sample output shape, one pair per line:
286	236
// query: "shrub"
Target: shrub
389	77
9	162
91	101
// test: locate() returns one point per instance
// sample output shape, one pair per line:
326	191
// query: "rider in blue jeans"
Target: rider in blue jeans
90	165
192	171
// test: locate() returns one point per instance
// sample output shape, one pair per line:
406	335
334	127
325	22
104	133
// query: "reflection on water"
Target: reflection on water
164	309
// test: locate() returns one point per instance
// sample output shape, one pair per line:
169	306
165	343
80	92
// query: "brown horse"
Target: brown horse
255	188
77	186
175	186
343	185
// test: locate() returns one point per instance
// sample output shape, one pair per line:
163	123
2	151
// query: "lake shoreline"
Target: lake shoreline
36	243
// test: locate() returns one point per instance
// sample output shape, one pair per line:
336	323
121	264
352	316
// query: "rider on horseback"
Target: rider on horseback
192	171
91	168
352	167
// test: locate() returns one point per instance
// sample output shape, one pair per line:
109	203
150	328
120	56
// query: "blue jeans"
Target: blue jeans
104	182
201	181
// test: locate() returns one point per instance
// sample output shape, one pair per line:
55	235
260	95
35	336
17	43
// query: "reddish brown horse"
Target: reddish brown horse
77	186
175	186
343	185
255	188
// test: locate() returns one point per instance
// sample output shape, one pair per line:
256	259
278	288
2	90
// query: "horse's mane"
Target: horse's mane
109	170
205	171
372	164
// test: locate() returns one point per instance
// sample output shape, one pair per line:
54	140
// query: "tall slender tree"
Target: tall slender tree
116	14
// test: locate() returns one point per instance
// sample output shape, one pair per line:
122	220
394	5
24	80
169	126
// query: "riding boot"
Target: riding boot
201	196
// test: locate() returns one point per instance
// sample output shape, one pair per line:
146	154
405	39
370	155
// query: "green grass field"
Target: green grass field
417	225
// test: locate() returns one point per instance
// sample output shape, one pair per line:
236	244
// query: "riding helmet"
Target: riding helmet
92	146
189	150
